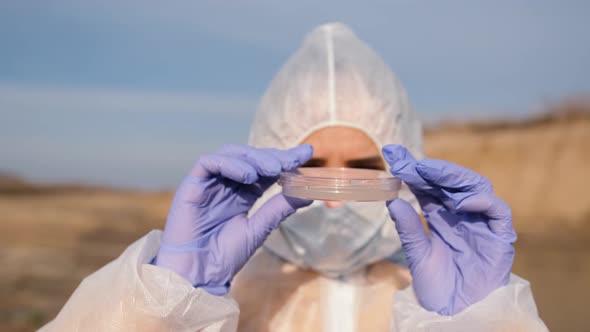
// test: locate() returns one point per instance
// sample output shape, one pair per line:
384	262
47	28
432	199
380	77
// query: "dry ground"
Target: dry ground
51	237
542	169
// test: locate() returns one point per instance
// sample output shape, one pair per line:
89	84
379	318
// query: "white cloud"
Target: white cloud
15	97
48	134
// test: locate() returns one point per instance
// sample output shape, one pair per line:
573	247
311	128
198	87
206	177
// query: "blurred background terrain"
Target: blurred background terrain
104	105
51	236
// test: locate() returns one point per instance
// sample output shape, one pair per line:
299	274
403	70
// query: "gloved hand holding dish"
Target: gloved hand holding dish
339	184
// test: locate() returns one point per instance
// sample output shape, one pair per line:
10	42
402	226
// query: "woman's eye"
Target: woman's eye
368	166
314	163
375	163
375	167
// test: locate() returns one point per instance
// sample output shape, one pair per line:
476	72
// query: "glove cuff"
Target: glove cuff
215	290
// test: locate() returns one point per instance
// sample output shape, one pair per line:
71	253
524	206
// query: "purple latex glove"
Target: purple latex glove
208	236
469	251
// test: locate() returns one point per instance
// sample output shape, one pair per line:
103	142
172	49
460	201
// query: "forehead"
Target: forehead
352	142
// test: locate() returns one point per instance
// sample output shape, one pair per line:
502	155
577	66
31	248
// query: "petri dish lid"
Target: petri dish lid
340	184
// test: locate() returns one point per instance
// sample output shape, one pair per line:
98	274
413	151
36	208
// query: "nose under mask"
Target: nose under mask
336	241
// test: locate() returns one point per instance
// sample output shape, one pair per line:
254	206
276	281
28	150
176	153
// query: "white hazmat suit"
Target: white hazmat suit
332	80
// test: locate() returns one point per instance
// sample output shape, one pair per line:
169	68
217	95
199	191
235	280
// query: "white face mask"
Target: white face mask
336	241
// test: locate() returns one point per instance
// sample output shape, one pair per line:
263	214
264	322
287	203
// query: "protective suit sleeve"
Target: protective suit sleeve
508	308
129	294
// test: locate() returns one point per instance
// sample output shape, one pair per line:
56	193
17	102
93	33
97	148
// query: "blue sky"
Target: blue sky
129	93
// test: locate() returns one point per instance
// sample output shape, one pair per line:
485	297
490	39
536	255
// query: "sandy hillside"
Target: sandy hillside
539	166
53	236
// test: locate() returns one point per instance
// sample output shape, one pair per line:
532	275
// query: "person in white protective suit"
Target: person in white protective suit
237	255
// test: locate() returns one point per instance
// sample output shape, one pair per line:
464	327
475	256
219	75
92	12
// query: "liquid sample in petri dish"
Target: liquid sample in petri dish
340	184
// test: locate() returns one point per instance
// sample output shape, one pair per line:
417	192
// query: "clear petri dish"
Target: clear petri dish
340	184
